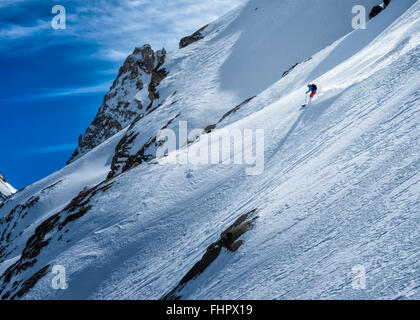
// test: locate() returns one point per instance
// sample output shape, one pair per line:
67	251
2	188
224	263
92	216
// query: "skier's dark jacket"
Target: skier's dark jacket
312	88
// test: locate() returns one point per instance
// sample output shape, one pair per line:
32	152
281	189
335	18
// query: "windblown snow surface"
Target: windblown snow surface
338	189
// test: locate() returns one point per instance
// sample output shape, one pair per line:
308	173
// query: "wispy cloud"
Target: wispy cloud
113	55
45	150
119	26
6	3
77	91
56	93
13	31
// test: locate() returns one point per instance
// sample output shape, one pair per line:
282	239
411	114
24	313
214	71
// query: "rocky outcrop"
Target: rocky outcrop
142	71
375	11
228	240
12	283
378	9
30	282
8	223
196	36
123	160
157	75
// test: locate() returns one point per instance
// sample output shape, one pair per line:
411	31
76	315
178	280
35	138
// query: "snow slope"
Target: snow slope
242	54
24	211
339	188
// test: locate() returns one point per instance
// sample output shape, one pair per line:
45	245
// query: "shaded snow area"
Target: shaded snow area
336	198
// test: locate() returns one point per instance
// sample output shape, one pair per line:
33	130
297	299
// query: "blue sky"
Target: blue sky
53	81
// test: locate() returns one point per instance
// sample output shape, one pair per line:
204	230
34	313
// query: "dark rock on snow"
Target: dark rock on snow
228	240
378	9
196	36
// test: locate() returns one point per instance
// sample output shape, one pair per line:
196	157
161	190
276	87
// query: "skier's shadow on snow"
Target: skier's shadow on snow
309	115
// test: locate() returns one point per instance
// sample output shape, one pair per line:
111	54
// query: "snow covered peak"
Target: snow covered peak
6	190
131	95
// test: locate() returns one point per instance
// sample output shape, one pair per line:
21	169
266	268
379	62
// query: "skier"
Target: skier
312	88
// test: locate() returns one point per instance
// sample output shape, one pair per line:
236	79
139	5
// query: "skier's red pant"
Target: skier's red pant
312	94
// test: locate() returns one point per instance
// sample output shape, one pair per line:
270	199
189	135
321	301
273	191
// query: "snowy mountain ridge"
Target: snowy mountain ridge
339	187
141	73
6	190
